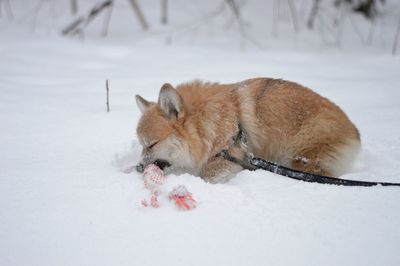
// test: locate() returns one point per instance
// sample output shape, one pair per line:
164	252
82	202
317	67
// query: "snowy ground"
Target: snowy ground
64	201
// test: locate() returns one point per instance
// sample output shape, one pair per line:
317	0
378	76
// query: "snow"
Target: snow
64	199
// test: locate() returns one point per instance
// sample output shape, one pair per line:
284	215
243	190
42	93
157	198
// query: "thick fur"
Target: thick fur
282	121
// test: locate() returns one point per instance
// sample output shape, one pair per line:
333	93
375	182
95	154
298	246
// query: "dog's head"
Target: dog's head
160	131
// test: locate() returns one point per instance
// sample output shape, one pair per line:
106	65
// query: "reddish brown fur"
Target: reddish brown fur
283	122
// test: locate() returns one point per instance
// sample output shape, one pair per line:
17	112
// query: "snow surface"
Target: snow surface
65	201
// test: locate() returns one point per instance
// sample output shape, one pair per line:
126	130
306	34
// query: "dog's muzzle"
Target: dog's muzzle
160	163
139	167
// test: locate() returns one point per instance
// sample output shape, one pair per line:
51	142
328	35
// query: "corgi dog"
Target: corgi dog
278	120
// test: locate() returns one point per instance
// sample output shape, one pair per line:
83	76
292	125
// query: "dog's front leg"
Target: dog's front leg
221	170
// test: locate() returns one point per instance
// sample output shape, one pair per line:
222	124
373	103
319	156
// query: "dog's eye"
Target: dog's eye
152	145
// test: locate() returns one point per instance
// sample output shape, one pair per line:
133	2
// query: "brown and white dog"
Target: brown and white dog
282	122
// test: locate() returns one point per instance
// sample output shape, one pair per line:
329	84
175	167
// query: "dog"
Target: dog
273	119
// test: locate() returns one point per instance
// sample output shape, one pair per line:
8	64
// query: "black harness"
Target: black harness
252	163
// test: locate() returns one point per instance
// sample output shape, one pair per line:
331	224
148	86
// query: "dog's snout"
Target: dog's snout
139	167
162	164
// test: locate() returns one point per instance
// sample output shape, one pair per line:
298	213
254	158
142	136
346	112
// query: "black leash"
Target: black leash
258	163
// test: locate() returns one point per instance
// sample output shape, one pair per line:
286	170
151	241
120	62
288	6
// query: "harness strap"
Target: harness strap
245	164
258	163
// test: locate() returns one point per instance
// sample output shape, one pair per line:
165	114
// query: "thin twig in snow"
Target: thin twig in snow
108	97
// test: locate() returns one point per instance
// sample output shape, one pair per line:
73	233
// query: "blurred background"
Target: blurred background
369	25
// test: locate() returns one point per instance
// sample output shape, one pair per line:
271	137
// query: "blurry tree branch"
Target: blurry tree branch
369	8
235	8
313	14
107	20
78	24
164	11
293	13
396	38
236	11
278	7
7	8
74	7
139	14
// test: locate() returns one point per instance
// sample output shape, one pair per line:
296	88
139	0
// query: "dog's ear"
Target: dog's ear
142	103
170	102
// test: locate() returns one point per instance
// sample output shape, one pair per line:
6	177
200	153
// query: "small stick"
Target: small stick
108	97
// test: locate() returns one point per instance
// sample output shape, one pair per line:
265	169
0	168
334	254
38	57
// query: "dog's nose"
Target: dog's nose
139	167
